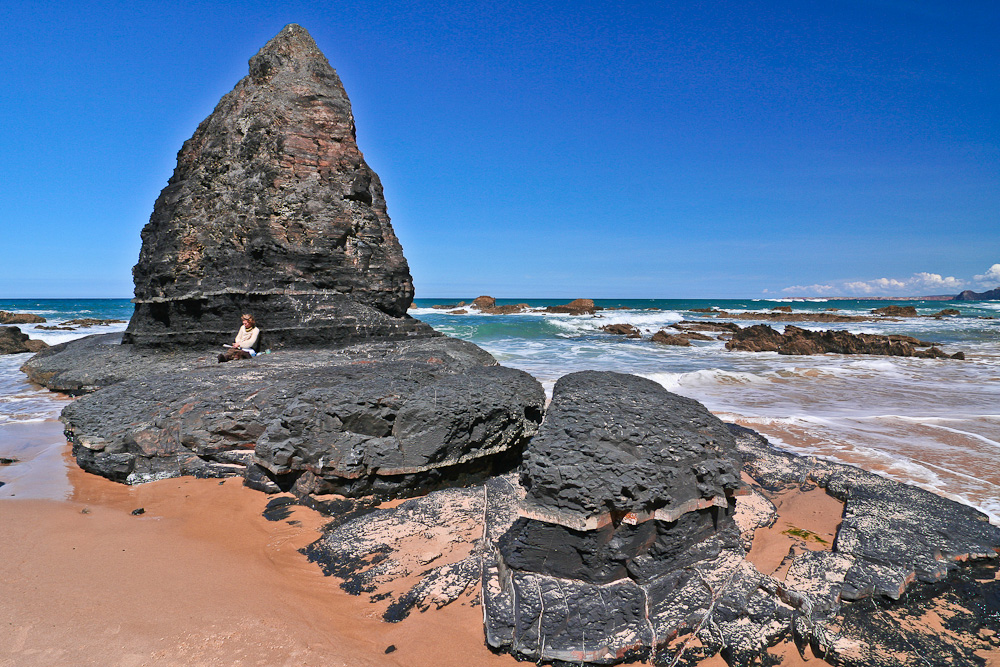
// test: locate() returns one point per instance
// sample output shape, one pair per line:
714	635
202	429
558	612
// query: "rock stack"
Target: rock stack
628	486
272	210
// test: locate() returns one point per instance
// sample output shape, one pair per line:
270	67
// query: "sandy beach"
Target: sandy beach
201	577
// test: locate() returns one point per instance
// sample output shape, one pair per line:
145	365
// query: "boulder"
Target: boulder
575	307
272	210
782	309
12	341
7	317
947	312
628	488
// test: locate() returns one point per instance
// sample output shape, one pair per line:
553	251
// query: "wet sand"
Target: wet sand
201	577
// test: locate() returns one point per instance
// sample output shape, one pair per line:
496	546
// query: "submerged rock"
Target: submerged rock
272	210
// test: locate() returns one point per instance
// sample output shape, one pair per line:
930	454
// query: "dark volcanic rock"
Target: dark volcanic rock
794	340
272	210
383	418
12	341
628	488
575	307
614	444
7	317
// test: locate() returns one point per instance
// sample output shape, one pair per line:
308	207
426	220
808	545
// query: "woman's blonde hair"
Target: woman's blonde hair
248	316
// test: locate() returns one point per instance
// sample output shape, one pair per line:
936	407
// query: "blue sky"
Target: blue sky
545	149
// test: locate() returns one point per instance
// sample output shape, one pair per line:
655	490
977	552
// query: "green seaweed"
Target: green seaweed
804	534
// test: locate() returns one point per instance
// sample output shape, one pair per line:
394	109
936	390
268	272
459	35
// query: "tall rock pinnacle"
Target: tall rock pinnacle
272	210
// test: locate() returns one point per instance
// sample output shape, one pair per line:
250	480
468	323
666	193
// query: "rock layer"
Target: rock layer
272	210
387	419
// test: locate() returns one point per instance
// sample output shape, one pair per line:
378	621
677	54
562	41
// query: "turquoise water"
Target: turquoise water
935	423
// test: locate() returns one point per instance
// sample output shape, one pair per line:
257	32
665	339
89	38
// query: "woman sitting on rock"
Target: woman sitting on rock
246	339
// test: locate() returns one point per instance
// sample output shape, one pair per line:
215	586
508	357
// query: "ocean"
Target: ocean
933	423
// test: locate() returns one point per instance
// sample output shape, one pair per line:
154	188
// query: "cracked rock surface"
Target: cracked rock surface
383	418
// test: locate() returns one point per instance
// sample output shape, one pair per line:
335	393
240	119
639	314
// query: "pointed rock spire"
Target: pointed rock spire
272	210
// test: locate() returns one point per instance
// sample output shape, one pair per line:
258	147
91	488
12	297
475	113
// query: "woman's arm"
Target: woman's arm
252	339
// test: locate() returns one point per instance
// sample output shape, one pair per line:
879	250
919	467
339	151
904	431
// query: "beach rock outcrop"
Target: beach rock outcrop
794	341
12	341
481	302
627	330
386	419
575	307
273	210
664	338
896	311
7	317
627	488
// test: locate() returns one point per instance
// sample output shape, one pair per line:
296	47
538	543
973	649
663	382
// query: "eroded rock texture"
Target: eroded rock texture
629	489
381	418
272	210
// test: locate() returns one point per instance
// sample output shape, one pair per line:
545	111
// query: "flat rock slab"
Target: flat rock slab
382	418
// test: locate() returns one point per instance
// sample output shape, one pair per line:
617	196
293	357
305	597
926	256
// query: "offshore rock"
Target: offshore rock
12	341
575	307
896	311
382	418
272	210
795	341
626	330
7	317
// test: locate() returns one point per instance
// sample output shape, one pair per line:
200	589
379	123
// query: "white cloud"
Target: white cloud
861	287
935	280
813	289
991	277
